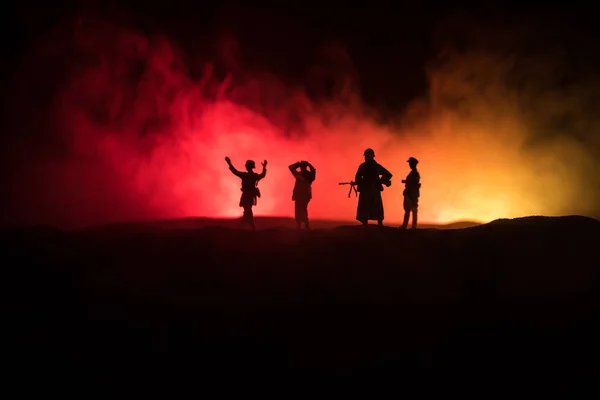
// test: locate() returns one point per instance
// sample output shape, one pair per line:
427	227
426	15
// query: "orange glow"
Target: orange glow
154	146
463	179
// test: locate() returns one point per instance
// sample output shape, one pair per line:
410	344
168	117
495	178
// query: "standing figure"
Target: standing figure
370	179
302	190
250	191
411	193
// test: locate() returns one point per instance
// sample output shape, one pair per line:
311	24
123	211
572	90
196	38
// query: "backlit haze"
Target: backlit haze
128	133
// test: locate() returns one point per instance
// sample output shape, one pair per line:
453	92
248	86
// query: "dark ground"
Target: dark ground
510	301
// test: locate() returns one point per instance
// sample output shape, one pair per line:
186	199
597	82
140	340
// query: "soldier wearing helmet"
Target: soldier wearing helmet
411	193
250	191
370	179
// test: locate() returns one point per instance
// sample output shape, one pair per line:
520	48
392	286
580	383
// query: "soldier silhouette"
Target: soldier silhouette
370	179
250	191
302	190
411	193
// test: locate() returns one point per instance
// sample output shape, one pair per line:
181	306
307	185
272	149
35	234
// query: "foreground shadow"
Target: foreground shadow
513	294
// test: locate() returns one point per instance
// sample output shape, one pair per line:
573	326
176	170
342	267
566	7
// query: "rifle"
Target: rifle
352	187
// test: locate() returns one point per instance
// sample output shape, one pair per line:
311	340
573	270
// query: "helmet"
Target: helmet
413	160
250	164
369	153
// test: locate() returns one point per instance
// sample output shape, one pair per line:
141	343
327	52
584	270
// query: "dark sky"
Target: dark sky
388	45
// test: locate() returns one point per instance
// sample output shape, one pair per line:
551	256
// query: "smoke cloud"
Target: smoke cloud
114	124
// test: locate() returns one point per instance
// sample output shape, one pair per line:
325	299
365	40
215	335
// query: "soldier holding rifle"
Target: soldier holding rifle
368	184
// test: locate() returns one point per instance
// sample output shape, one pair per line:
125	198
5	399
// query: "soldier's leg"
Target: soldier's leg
298	213
249	216
245	216
305	213
406	207
414	217
406	218
415	207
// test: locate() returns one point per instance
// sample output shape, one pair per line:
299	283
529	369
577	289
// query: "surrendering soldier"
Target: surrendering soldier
302	194
412	188
250	191
370	179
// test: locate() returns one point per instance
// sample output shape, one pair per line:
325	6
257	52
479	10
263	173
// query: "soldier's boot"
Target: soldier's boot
248	217
406	217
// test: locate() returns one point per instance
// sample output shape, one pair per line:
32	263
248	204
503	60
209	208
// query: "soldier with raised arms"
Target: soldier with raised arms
305	175
250	191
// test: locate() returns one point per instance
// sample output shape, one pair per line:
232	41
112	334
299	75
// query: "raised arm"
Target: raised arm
264	171
313	171
232	168
294	168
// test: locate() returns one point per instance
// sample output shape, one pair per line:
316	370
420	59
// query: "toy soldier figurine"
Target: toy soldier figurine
411	193
250	191
302	190
370	179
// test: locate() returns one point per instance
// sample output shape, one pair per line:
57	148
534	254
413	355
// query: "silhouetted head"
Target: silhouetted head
412	162
369	154
303	165
250	165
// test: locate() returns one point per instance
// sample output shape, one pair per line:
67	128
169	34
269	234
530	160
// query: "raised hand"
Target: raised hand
264	163
228	160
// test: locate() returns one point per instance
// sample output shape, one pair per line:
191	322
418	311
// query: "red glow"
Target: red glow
152	145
